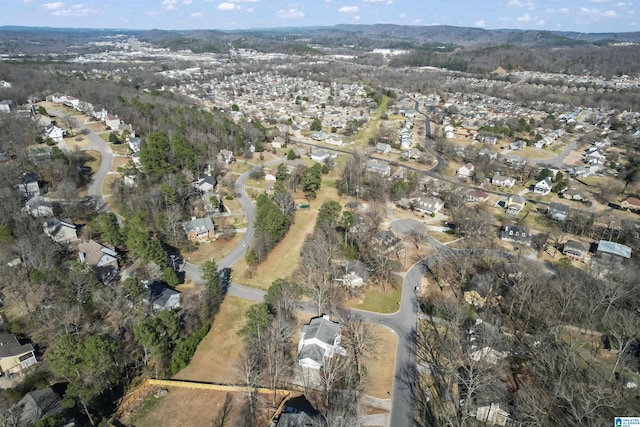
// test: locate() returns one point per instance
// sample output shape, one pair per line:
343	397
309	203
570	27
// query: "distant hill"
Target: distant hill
456	48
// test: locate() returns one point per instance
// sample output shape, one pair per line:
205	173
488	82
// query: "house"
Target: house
575	250
135	144
296	412
318	135
492	415
112	122
612	251
56	133
160	297
42	121
320	156
39	206
29	186
517	145
333	140
205	183
319	342
356	274
515	204
98	256
631	203
386	240
543	186
477	196
226	157
61	231
478	289
14	357
380	168
37	405
200	229
427	205
413	153
382	148
573	195
503	181
5	106
278	142
488	355
466	170
558	211
516	234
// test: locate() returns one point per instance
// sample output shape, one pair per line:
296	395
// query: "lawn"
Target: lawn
369	130
283	260
104	136
97	127
380	367
218	352
378	300
185	407
122	149
94	160
217	250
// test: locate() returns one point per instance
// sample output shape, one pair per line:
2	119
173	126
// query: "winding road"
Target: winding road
403	322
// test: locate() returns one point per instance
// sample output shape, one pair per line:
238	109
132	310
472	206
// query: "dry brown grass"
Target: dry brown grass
97	127
379	382
216	250
184	407
284	259
218	352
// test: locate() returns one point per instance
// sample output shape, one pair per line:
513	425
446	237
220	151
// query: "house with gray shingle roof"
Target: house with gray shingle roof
200	229
319	342
15	357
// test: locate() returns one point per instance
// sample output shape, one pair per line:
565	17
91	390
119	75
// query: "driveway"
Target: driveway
408	226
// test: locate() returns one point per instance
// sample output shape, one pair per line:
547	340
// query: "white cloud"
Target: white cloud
249	9
531	5
150	12
564	10
187	1
291	13
418	21
403	15
356	18
27	1
524	18
540	22
76	10
169	4
53	6
599	1
196	14
480	23
609	14
349	9
227	6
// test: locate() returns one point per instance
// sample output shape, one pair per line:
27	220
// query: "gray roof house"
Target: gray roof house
160	297
39	206
515	203
383	148
14	357
356	274
98	256
612	250
516	234
575	250
543	186
320	340
378	167
36	405
200	229
558	211
60	230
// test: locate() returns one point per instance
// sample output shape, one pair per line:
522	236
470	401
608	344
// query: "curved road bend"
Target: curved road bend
106	161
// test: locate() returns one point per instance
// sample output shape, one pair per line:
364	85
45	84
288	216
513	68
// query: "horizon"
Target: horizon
582	16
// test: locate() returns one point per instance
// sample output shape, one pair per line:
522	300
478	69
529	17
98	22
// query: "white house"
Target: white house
503	181
543	187
465	170
319	342
160	297
55	133
428	205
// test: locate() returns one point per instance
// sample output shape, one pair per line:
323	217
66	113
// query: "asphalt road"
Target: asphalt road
106	162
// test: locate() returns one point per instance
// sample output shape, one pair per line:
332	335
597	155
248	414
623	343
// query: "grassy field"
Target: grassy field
369	130
378	300
217	353
185	407
284	259
379	382
216	250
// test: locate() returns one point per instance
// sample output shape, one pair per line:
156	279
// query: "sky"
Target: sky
561	15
